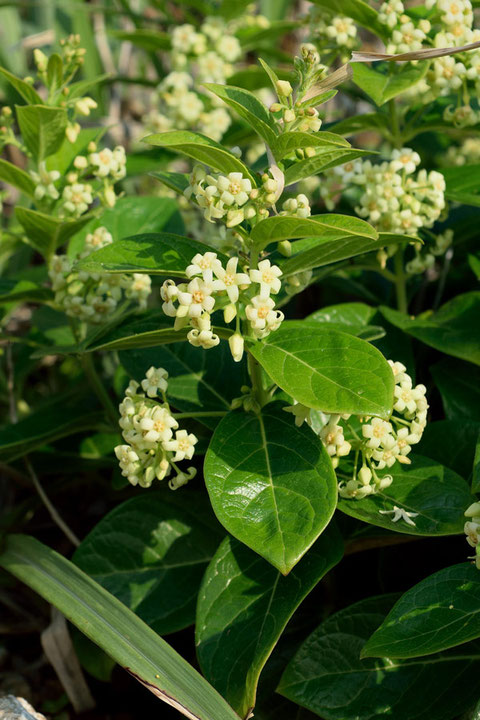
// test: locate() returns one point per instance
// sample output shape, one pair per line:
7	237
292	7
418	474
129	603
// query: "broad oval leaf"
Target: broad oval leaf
328	677
331	226
23	88
320	252
382	87
115	628
291	141
453	329
436	494
42	128
249	107
243	607
327	370
438	613
271	484
46	233
352	318
459	385
152	253
151	552
201	148
13	175
324	159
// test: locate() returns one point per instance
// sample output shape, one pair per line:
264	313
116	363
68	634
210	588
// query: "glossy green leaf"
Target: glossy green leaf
152	253
436	494
328	677
175	181
151	552
321	252
459	386
24	89
243	607
47	424
453	329
197	381
463	184
115	628
13	175
46	233
451	443
324	159
439	612
249	107
382	87
43	128
289	142
327	370
353	318
271	484
328	226
201	148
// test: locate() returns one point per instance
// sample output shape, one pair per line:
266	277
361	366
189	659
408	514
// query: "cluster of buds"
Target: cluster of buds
380	444
426	255
147	423
472	530
468	153
213	287
298	206
93	298
231	197
6	126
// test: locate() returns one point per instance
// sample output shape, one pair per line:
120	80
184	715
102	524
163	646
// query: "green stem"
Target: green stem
98	387
400	282
395	129
213	413
255	372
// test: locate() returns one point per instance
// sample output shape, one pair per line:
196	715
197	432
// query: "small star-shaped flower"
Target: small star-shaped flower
400	514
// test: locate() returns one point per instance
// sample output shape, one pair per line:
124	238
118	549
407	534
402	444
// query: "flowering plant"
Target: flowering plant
245	368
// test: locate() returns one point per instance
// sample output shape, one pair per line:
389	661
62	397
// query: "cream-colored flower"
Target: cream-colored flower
183	446
267	275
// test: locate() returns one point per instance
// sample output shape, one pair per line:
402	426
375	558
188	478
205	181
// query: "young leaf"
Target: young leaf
115	628
200	148
437	495
249	108
383	87
324	159
151	552
42	128
152	253
327	370
289	142
329	226
24	89
271	483
46	233
328	677
54	72
439	612
320	252
241	591
453	329
13	175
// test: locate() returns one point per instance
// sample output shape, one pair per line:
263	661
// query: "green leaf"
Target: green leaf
327	370
24	89
329	226
438	495
328	677
62	159
324	159
201	148
319	252
243	607
12	175
47	424
42	128
452	443
23	291
152	253
459	385
453	329
150	40
382	87
463	184
80	88
476	467
271	484
197	381
289	142
115	628
151	552
249	108
46	233
352	318
439	612
175	181
54	72
359	11
251	37
360	123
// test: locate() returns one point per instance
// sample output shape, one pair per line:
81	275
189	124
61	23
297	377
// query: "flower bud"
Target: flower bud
284	88
236	343
365	475
289	116
84	105
80	162
40	59
230	312
285	248
473	510
275	107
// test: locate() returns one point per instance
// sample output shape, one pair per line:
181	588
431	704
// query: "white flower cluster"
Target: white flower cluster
231	197
45	182
93	298
468	153
472	530
192	303
147	425
395	197
337	31
425	255
380	443
197	57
